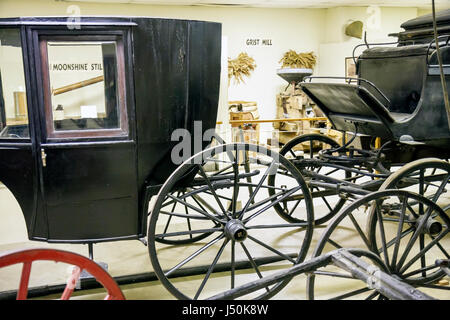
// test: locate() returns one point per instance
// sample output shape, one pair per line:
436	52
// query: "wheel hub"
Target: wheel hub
235	230
432	226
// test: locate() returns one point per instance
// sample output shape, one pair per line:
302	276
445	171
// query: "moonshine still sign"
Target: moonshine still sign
76	67
76	74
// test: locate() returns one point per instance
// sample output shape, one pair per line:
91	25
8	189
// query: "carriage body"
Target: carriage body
84	177
397	94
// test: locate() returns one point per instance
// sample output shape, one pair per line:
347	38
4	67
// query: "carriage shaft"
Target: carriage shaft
385	284
342	258
338	188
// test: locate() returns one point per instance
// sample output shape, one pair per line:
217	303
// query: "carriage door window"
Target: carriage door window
13	100
85	94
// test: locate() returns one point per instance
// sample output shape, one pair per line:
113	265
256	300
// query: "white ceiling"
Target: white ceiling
424	4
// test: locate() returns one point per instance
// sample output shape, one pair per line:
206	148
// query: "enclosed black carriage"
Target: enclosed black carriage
88	106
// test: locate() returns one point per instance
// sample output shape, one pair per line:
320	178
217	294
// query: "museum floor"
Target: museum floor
131	257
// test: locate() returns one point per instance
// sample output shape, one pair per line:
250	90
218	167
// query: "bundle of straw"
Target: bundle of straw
242	66
292	59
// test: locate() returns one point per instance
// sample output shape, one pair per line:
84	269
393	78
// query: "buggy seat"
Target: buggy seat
398	92
398	72
351	107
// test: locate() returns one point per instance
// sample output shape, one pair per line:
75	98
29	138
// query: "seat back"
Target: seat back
347	105
398	72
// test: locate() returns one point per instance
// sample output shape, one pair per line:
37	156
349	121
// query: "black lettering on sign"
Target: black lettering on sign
252	42
257	42
76	66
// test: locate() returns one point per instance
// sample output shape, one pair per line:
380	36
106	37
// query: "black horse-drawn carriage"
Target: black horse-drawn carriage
87	168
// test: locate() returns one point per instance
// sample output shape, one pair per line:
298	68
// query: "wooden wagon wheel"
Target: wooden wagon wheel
396	252
428	177
28	256
327	199
245	238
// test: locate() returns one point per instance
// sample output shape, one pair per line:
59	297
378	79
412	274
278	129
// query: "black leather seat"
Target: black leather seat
351	107
398	72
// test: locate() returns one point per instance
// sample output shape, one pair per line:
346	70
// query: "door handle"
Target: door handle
44	158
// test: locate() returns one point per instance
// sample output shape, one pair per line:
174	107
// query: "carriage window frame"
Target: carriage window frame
123	129
27	116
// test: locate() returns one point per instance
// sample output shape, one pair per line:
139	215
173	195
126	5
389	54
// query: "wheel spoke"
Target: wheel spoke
24	279
272	204
275	226
192	256
293	153
399	232
372	295
330	172
182	215
441	188
424	250
252	262
351	294
426	188
382	233
440	247
422	258
414	238
413	212
170	217
211	188
358	228
281	254
71	283
218	160
426	268
334	243
188	220
220	196
252	197
326	202
235	186
223	170
210	269
393	241
233	262
194	208
184	233
295	207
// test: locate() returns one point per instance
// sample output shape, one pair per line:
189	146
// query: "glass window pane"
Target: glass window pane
84	85
13	101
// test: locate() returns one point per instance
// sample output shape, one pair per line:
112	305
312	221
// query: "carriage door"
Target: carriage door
88	147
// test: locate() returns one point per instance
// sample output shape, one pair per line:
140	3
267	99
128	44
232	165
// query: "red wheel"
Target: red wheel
28	256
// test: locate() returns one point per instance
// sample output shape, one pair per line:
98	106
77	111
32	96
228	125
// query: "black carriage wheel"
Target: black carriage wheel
189	222
428	177
396	247
320	196
243	237
414	174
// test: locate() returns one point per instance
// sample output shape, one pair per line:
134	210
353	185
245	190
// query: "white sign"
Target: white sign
88	111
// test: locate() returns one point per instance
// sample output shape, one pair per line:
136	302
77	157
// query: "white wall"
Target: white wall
12	68
378	23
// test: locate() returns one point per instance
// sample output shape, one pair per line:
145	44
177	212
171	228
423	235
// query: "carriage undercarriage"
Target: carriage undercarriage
259	202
